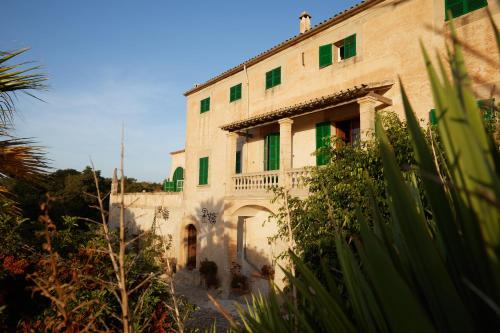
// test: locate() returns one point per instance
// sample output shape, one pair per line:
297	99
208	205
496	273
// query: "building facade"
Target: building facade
258	124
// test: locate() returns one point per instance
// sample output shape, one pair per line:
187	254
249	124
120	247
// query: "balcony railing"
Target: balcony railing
297	176
263	181
256	181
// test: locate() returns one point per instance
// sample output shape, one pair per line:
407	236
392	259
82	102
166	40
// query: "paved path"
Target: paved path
203	318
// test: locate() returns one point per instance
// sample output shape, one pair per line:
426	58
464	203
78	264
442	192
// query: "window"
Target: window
323	134
235	93
203	171
347	47
462	7
178	179
205	105
273	78
238	162
348	131
325	55
272	152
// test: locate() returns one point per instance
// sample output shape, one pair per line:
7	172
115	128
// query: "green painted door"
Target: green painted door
323	134
272	152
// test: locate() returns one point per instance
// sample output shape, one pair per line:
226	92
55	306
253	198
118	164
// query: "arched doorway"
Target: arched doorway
191	247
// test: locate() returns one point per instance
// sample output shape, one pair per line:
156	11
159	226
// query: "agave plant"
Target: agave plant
19	158
420	271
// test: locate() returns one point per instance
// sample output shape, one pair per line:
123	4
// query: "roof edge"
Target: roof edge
177	151
337	18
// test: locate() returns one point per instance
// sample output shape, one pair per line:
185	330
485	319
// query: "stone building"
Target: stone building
259	124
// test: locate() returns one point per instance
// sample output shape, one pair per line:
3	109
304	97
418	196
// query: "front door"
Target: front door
191	247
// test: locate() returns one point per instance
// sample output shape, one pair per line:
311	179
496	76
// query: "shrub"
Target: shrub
208	270
414	270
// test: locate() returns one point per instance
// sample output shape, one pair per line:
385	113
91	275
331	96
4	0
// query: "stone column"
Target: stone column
285	149
367	106
232	142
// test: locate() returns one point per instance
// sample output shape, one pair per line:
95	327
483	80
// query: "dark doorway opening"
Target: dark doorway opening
348	130
191	247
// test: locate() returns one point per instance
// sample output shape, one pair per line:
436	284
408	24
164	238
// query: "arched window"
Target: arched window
178	179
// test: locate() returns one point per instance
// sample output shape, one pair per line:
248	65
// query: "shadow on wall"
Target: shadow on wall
209	221
147	218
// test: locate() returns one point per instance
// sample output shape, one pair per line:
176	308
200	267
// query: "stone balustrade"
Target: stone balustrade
255	181
297	176
263	181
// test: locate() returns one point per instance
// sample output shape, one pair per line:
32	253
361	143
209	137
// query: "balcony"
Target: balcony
262	182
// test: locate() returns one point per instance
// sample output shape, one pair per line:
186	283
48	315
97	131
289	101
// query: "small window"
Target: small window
203	171
325	55
462	7
235	93
273	78
238	162
205	105
346	47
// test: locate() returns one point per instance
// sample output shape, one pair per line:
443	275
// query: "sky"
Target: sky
127	62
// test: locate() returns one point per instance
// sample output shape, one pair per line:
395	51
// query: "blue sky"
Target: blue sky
122	61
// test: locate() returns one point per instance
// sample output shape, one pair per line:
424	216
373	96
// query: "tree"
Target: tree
19	157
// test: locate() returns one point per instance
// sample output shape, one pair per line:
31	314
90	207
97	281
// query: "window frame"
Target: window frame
205	105
273	78
235	92
203	167
467	6
325	59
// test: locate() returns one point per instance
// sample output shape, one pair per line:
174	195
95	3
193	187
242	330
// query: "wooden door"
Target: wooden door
191	247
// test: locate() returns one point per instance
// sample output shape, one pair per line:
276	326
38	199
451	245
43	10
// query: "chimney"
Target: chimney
305	22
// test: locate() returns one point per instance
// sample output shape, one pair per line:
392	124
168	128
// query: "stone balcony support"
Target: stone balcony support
232	142
285	149
367	106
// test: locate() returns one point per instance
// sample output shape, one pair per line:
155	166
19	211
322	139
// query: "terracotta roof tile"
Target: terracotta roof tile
307	106
291	41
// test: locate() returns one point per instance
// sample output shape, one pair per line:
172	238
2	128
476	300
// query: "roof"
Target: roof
177	152
332	100
339	17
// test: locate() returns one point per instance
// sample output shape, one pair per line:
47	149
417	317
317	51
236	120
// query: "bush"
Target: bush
413	269
208	270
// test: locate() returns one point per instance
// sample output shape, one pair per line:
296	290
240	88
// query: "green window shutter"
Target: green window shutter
231	94
350	46
456	7
272	152
205	105
203	171
323	134
325	55
238	162
433	117
277	76
475	4
235	93
273	78
461	7
238	91
269	79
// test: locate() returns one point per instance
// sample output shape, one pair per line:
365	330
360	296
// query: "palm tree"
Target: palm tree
19	157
